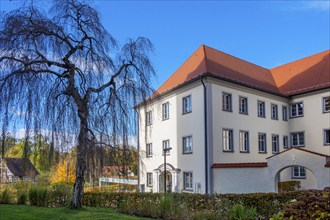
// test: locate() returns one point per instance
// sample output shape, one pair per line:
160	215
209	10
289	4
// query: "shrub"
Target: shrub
22	198
38	196
288	186
239	212
312	204
5	197
59	195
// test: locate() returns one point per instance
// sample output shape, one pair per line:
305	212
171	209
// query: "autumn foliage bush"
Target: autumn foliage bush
312	204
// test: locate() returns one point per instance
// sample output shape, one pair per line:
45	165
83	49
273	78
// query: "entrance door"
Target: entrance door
168	182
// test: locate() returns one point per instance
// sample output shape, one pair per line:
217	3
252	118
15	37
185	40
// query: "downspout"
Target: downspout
138	147
205	135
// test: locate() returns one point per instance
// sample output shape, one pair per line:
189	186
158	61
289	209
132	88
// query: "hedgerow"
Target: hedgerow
299	204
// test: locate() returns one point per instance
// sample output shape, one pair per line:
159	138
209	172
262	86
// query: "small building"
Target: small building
118	175
111	171
15	169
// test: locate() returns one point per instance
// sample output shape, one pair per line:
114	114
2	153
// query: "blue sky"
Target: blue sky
267	33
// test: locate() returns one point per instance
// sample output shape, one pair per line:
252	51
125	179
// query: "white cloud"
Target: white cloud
317	5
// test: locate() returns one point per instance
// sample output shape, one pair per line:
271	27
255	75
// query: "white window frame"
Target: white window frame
284	113
188	181
166	144
274	111
166	110
227	102
264	141
149	179
324	102
149	152
26	178
297	110
186	104
261	109
285	141
326	137
15	179
244	141
187	144
243	105
149	118
298	138
275	143
228	140
298	172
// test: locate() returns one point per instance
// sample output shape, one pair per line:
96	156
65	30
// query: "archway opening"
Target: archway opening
295	177
168	181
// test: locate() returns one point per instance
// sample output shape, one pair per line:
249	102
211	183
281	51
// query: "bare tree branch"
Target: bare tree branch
58	67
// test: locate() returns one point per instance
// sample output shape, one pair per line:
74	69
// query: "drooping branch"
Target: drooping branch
58	74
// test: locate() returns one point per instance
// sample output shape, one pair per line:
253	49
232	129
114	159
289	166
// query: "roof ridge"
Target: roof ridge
182	65
304	58
227	54
205	55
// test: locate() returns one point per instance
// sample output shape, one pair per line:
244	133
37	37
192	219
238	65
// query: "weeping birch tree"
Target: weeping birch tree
63	72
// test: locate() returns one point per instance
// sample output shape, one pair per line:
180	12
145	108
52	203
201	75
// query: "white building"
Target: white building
235	127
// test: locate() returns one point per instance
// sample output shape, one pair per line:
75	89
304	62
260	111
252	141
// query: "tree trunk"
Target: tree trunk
78	189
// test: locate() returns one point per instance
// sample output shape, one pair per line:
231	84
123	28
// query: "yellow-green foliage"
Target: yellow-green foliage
289	186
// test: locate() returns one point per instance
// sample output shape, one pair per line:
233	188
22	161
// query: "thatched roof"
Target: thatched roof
21	167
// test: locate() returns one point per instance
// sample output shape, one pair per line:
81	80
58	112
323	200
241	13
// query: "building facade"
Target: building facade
17	169
235	127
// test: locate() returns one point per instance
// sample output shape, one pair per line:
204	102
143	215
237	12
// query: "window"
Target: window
26	178
262	144
227	137
326	104
166	145
149	179
188	180
297	139
285	141
149	150
15	179
149	118
187	144
226	102
166	111
274	113
243	105
326	136
186	104
298	172
275	144
297	110
284	113
244	141
261	109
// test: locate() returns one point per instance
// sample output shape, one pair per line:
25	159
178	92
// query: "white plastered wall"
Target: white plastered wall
250	122
313	122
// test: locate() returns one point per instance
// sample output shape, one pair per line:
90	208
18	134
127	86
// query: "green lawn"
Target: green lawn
21	212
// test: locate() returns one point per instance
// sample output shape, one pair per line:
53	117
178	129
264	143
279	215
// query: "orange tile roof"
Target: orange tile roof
304	75
239	165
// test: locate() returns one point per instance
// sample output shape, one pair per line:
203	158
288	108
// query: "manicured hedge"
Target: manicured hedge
315	203
141	204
